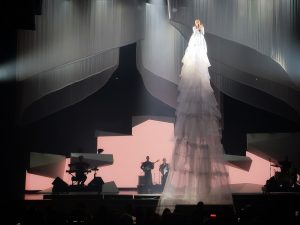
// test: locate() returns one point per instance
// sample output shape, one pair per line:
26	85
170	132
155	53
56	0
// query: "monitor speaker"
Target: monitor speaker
59	185
110	188
96	184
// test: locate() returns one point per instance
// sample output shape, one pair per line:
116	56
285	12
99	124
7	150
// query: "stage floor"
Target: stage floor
247	199
244	189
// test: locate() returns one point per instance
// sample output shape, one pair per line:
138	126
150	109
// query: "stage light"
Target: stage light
7	72
212	215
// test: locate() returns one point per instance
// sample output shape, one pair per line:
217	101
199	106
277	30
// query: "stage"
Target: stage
279	206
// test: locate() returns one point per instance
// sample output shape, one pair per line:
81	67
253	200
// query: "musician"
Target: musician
164	170
285	165
147	166
80	168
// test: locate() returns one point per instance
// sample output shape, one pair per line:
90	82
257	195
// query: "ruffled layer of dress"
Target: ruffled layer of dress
197	169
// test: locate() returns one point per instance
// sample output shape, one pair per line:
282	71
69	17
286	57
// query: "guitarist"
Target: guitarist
164	170
147	166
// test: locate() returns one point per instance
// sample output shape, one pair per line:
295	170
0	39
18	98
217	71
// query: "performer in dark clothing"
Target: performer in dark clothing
80	168
147	166
164	170
285	165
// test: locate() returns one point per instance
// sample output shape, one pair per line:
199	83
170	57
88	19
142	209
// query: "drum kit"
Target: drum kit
286	179
283	178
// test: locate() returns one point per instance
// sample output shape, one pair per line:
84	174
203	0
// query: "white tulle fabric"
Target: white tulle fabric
198	171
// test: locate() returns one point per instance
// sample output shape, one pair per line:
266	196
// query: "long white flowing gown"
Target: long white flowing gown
197	169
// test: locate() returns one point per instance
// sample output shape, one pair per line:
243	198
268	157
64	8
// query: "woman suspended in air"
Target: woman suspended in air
197	169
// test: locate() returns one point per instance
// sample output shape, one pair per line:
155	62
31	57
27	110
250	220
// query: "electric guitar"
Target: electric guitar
164	170
149	167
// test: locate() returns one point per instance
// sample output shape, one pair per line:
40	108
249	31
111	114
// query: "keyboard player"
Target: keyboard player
80	168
